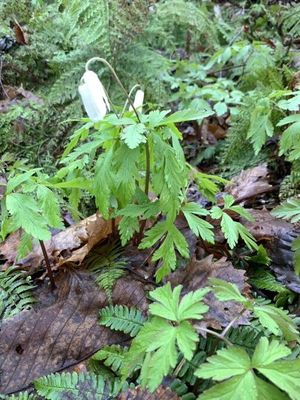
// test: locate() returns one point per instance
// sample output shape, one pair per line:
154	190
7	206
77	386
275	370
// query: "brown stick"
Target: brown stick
48	267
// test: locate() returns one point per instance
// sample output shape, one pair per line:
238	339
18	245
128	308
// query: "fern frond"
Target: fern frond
263	279
107	265
15	293
72	386
112	356
20	396
122	318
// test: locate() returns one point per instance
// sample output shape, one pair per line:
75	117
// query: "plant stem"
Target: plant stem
218	335
232	322
48	267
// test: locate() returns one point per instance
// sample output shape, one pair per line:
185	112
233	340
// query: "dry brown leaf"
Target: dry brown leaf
62	330
249	183
196	276
68	246
162	393
277	236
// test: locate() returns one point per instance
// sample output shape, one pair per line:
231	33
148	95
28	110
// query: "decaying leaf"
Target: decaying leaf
62	330
68	246
196	276
277	236
162	393
250	183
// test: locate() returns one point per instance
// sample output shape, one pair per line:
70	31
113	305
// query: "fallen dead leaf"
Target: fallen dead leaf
196	276
69	246
250	183
277	236
162	393
62	330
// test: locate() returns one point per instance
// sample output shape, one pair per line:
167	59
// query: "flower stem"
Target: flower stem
48	267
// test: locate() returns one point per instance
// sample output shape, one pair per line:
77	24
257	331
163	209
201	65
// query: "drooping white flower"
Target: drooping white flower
138	101
93	96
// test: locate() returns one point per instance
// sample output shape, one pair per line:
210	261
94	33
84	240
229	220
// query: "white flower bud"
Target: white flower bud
93	96
138	101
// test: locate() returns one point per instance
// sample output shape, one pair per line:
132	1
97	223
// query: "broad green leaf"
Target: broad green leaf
26	215
191	306
266	353
267	391
25	246
285	375
167	301
277	321
186	338
237	388
226	291
182	116
156	117
133	135
225	364
17	180
50	206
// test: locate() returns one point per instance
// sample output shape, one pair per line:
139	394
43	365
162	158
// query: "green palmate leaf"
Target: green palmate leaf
167	303
156	117
285	375
26	215
198	226
288	210
246	387
225	364
226	291
133	135
277	321
266	353
50	206
186	338
234	363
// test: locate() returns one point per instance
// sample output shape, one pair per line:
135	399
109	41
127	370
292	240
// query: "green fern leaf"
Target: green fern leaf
113	356
72	386
122	318
15	293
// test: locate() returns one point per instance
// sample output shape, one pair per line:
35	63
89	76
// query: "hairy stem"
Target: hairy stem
48	267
